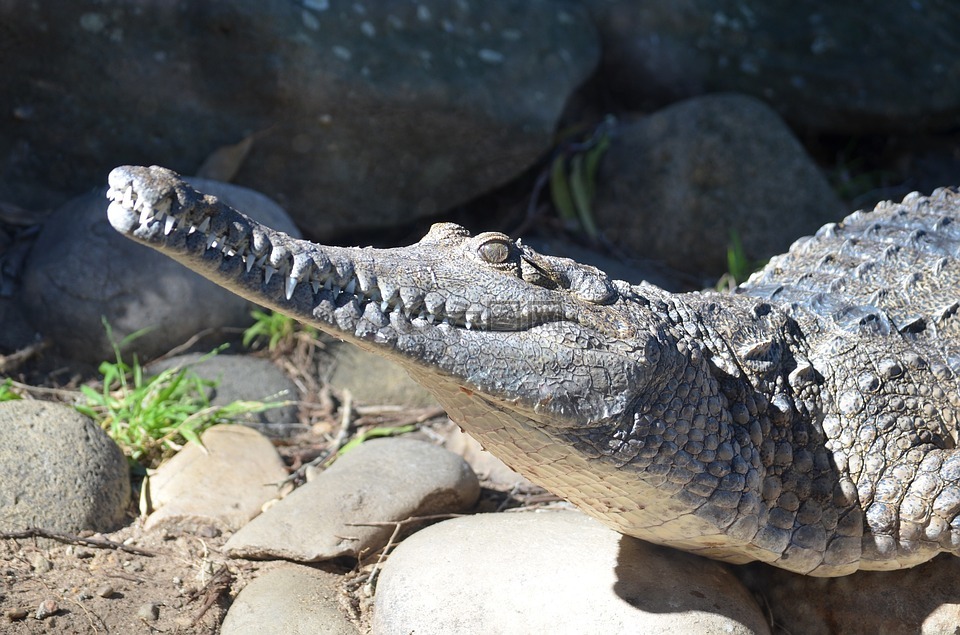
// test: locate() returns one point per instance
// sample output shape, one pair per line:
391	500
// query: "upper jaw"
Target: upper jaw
155	206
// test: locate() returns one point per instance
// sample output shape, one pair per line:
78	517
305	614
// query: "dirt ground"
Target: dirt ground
177	584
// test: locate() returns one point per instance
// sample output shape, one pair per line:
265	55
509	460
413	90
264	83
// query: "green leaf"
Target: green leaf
560	189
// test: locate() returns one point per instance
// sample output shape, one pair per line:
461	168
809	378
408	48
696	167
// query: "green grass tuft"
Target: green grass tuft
150	418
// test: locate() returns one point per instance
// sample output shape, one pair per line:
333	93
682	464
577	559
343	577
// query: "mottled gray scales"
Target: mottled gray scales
808	421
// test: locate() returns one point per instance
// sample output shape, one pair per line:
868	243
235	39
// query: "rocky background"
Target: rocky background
364	122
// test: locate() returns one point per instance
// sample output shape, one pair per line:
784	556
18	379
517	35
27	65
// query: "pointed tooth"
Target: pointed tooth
212	241
431	318
291	286
262	260
328	284
351	287
423	315
249	259
204	226
168	224
315	284
469	324
128	197
192	229
384	305
268	272
146	213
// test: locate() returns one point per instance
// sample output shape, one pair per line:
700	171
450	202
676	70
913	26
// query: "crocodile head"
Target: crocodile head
482	316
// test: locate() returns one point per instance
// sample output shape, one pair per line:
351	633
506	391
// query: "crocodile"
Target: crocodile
807	420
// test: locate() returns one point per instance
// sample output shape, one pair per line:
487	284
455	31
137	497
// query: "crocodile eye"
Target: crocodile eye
495	251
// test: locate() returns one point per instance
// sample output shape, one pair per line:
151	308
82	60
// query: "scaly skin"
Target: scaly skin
807	421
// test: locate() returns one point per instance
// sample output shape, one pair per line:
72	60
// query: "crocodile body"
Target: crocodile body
808	420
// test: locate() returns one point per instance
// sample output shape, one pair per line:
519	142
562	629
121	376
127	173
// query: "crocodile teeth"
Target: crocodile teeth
315	284
351	287
212	241
249	260
146	213
168	225
204	226
268	272
291	286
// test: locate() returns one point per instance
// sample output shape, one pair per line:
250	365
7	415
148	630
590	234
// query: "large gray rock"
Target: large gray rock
838	66
291	600
554	572
360	114
222	484
675	184
58	470
924	599
81	270
382	480
244	378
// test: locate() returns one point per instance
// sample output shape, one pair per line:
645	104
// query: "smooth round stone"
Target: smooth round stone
291	600
553	572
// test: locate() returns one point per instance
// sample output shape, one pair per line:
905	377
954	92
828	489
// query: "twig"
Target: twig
42	390
13	360
392	542
212	590
346	418
100	543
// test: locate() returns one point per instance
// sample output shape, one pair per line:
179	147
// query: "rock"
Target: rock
825	67
675	184
353	369
357	114
47	608
924	599
149	612
291	600
224	484
81	270
58	470
244	378
553	572
382	480
39	564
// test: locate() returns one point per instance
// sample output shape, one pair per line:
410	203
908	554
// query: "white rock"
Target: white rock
553	572
382	480
224	483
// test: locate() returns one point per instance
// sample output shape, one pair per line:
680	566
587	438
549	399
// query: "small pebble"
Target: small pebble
105	590
149	612
207	531
40	564
84	594
15	615
46	609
